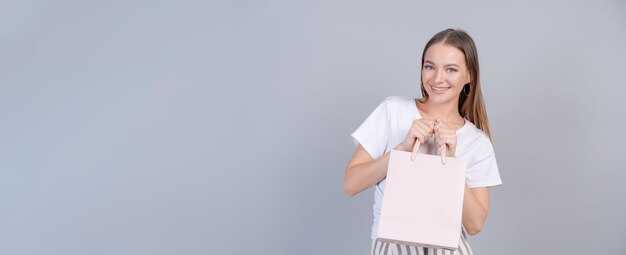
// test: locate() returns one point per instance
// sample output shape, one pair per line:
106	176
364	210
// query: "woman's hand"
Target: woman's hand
422	130
445	135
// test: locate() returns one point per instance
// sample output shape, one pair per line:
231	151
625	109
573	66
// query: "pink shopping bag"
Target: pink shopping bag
423	200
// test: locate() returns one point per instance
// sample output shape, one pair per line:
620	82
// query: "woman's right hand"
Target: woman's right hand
422	130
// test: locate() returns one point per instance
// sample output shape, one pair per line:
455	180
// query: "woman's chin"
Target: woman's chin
441	98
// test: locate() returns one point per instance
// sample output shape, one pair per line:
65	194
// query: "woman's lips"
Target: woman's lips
439	90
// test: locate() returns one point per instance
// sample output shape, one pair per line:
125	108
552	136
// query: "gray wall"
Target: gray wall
182	127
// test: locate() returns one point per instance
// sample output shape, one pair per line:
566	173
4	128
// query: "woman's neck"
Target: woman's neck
447	112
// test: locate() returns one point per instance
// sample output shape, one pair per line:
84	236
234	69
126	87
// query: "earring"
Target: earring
466	93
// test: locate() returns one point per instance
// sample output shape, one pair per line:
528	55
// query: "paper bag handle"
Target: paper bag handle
416	147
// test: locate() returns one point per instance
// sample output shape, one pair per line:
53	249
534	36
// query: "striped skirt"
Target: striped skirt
386	248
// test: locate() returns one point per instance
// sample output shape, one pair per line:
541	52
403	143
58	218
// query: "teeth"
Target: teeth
439	89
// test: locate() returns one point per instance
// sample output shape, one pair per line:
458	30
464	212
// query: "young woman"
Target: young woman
451	112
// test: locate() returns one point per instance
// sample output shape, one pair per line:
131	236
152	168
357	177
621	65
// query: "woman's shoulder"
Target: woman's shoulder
399	102
477	136
400	108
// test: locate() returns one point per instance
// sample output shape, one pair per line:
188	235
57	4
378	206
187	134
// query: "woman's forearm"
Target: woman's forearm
474	212
362	176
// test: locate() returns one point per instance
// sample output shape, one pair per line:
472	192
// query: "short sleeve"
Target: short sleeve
373	133
483	171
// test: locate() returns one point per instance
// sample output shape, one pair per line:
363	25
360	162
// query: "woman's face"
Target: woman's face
444	73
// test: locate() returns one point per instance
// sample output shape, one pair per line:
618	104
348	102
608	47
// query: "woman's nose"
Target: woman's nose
439	76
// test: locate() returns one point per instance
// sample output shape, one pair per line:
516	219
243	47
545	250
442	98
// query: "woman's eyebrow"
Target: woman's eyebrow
432	63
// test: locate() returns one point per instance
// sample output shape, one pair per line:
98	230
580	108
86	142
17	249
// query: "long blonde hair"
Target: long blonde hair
471	106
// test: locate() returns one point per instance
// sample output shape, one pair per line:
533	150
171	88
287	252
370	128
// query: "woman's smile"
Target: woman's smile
439	90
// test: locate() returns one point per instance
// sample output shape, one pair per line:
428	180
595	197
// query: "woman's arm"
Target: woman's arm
363	171
475	209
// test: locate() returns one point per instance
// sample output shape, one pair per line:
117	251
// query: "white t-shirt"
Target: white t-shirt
388	125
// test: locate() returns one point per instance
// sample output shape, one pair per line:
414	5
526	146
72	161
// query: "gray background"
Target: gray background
181	127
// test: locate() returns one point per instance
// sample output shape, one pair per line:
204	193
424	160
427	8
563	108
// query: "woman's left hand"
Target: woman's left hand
445	135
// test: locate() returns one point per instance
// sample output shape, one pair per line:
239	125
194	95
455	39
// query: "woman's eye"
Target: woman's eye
451	70
429	67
